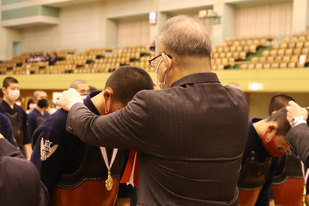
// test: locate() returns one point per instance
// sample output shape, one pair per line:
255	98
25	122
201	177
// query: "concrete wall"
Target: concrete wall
95	24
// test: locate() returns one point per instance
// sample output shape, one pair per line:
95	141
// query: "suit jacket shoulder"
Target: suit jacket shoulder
298	138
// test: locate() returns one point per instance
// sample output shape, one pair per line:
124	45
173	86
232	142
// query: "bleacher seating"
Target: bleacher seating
262	52
92	60
234	50
245	53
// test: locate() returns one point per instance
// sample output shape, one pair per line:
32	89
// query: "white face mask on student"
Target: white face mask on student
13	94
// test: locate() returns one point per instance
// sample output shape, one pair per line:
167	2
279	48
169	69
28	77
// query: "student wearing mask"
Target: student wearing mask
51	107
39	113
16	114
30	105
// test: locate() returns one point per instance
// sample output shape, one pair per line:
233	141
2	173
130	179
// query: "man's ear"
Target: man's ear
3	90
167	61
107	93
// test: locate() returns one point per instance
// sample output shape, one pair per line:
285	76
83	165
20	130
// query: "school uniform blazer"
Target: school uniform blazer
298	138
189	138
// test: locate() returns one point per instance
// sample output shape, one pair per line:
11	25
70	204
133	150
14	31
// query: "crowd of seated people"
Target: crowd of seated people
40	57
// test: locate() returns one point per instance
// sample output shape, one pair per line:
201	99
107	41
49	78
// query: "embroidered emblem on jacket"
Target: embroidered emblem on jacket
46	149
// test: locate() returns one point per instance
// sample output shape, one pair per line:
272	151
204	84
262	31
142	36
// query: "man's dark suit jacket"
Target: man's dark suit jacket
298	138
189	138
20	183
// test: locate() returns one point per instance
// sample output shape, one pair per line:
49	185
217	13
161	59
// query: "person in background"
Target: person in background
92	88
152	46
51	107
18	101
75	172
20	183
38	114
16	114
6	130
53	59
30	105
265	144
81	87
187	135
47	57
288	181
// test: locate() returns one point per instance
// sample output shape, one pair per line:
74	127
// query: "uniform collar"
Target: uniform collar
255	141
207	77
7	107
89	104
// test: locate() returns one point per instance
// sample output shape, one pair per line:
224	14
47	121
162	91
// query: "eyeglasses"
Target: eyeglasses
152	61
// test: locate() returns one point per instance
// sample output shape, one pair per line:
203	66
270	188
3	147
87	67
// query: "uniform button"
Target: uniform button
70	129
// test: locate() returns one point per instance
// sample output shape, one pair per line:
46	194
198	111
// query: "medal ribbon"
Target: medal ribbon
105	158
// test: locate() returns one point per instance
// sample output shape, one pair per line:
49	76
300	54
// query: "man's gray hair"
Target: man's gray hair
184	36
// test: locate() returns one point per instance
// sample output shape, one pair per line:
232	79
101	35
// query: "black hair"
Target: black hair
92	88
127	81
278	101
8	80
280	118
30	101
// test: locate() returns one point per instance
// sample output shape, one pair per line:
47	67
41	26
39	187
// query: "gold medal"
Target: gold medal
109	181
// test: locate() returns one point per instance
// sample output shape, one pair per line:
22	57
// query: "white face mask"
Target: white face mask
13	94
160	84
53	110
31	106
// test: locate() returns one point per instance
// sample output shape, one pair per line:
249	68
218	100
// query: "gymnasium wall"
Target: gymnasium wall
90	25
266	19
79	28
107	23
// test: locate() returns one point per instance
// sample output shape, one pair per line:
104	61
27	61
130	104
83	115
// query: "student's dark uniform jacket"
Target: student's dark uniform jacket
20	183
64	161
35	118
18	119
6	129
258	166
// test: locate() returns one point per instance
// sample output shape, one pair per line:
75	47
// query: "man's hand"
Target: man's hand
294	110
68	99
1	136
